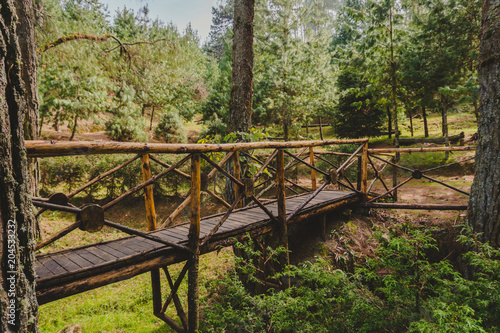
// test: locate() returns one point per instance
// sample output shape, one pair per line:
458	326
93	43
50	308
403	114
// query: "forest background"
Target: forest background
354	64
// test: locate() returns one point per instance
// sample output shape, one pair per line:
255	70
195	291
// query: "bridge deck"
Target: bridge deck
75	270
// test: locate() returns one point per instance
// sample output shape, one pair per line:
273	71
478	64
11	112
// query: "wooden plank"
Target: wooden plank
77	259
168	235
108	249
53	266
204	228
212	223
101	254
65	262
118	246
91	257
134	244
256	214
41	271
179	233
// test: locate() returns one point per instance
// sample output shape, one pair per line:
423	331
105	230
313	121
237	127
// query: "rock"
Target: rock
74	328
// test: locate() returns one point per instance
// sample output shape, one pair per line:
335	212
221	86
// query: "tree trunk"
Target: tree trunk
484	202
389	122
240	104
73	131
320	129
426	128
411	120
395	110
18	303
445	125
26	31
152	117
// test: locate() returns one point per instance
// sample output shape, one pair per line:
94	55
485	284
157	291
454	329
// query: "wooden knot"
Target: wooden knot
91	217
249	186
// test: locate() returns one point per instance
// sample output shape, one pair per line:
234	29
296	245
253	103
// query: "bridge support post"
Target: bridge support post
364	171
194	244
151	223
148	193
313	172
281	196
237	175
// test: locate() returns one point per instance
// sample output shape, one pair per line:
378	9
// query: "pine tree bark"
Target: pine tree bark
484	202
26	30
18	305
240	104
426	128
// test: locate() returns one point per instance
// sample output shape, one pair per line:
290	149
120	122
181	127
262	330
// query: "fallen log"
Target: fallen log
440	140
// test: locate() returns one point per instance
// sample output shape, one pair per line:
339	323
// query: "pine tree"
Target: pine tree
18	303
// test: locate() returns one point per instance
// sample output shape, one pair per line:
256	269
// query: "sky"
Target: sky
180	12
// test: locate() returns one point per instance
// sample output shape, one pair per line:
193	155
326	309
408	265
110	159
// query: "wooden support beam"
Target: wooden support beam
413	206
148	193
417	150
58	235
144	184
104	175
313	172
364	172
237	175
281	196
177	302
194	244
186	201
156	290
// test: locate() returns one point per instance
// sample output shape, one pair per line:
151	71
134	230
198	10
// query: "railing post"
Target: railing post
358	181
148	193
364	171
237	175
313	172
151	222
194	244
281	196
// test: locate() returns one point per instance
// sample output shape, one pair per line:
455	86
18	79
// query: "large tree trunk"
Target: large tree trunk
18	303
26	32
240	104
484	202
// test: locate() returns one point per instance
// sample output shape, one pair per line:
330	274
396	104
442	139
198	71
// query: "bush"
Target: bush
356	115
171	127
126	125
399	290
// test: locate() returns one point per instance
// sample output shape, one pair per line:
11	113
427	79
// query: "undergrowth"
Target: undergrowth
399	290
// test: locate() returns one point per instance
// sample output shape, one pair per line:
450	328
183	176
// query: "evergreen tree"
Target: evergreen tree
356	115
293	71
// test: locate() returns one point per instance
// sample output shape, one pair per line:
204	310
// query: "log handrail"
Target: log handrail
39	148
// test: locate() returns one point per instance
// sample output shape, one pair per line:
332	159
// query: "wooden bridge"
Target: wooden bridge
267	199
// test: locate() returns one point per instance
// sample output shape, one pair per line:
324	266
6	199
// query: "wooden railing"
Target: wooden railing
274	177
387	157
272	180
272	174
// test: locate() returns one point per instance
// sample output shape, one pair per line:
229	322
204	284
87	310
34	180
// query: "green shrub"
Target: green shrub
126	124
399	290
171	127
